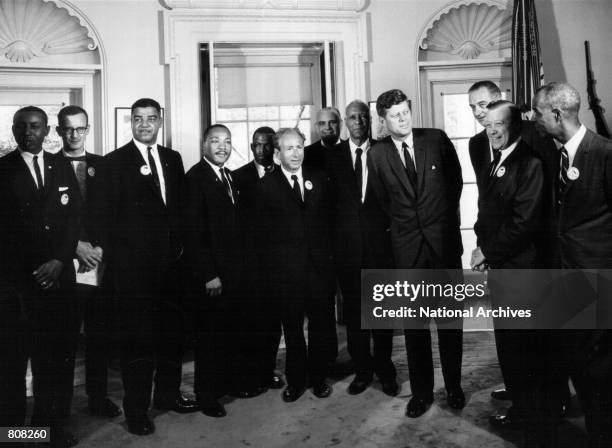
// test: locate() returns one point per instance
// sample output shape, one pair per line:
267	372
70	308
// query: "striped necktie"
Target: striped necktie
564	167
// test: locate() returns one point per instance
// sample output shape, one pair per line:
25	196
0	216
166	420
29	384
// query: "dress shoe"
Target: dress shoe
417	406
103	407
249	393
390	387
455	398
359	384
291	393
141	425
180	404
500	394
321	390
511	420
276	382
212	408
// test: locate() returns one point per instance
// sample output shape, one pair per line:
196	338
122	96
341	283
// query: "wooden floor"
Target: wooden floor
371	419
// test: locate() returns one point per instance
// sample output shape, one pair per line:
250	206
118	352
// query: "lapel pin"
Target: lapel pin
308	185
91	171
573	173
145	170
501	171
433	167
64	199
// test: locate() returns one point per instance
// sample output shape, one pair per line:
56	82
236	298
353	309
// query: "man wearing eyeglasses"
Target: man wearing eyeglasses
73	128
141	239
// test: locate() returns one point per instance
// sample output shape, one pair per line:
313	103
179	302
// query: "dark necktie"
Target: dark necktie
81	174
296	188
77	159
359	170
495	161
564	166
410	170
39	179
226	183
153	167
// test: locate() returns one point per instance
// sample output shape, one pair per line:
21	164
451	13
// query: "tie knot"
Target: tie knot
35	158
404	145
294	178
359	151
149	148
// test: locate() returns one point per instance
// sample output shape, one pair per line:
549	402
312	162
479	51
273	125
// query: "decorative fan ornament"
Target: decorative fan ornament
34	28
470	30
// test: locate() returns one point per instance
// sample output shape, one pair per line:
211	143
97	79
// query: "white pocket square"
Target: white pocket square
62	188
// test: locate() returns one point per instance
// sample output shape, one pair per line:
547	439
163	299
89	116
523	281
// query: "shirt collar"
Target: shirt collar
573	143
408	140
29	157
213	166
337	143
365	147
288	174
81	153
143	148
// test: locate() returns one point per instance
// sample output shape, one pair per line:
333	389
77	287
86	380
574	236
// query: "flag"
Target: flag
527	70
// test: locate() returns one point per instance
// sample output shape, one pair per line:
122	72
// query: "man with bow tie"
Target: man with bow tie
294	248
95	301
39	218
214	268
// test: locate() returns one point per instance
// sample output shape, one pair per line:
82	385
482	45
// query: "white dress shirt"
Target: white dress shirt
28	157
300	178
398	144
505	153
571	146
160	172
365	147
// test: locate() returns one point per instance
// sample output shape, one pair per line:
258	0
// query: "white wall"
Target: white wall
131	34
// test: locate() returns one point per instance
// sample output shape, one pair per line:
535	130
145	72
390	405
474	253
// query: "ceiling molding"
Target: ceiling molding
322	5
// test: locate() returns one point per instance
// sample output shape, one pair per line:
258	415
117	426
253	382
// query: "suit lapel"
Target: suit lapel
397	167
346	162
25	176
507	164
286	185
580	160
420	155
138	161
221	191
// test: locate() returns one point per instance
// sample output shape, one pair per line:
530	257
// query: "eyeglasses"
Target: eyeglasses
69	131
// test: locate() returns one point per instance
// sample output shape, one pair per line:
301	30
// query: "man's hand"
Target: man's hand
214	287
48	273
88	256
478	260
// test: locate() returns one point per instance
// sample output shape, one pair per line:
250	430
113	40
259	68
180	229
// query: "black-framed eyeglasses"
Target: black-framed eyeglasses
70	131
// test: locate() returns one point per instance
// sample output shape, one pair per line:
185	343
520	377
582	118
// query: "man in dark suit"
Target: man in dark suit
361	241
582	221
481	94
328	127
293	225
141	239
73	128
39	216
417	178
510	208
265	330
214	270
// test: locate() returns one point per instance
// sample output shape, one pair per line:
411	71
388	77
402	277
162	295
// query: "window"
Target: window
262	84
